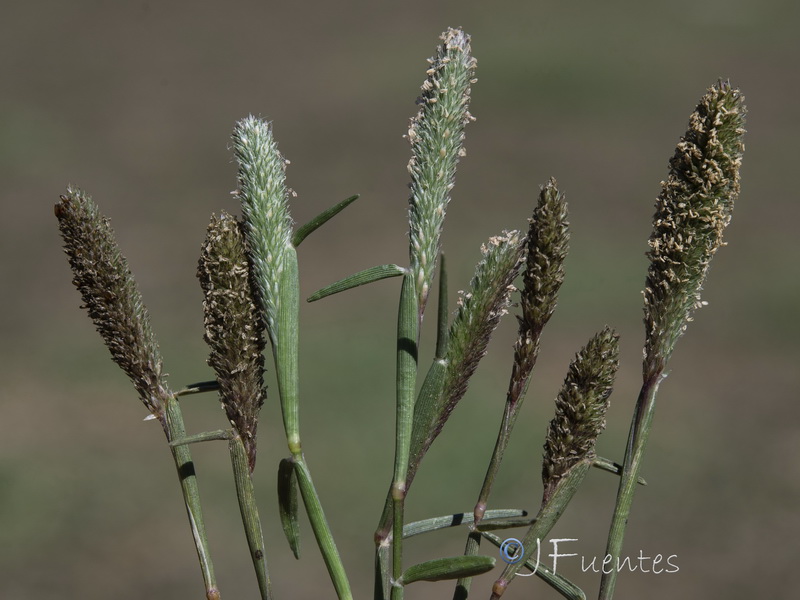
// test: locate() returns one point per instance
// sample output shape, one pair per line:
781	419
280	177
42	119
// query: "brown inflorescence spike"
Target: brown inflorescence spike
580	408
111	296
692	211
234	329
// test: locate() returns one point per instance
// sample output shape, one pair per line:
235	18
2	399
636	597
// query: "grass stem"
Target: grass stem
176	430
637	442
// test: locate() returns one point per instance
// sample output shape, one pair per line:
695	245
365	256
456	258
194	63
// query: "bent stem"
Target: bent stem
175	430
634	452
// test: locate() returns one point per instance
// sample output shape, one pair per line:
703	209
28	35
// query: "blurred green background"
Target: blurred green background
135	102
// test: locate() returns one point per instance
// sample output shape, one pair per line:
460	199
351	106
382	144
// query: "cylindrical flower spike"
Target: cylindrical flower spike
436	135
692	211
111	296
581	408
234	329
109	293
547	244
479	313
569	448
265	206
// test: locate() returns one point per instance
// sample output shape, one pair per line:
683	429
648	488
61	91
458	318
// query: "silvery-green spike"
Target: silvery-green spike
479	312
265	207
436	135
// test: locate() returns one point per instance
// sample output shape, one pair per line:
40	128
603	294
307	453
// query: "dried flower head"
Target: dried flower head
580	408
436	135
692	211
234	329
265	207
546	248
109	293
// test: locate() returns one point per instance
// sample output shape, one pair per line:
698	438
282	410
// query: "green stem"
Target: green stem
509	417
382	568
514	399
322	532
285	344
175	430
561	584
634	452
550	512
407	335
250	518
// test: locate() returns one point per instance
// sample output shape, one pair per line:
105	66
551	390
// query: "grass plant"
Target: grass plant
249	275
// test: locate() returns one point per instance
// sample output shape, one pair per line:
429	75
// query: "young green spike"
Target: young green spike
479	313
436	135
265	206
234	329
111	296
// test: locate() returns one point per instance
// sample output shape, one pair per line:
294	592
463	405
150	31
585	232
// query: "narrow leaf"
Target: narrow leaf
357	279
219	434
605	464
448	568
287	504
322	218
435	523
198	388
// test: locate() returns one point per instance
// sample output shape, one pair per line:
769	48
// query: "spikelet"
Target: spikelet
111	296
265	207
479	313
546	248
234	329
692	211
580	409
436	135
